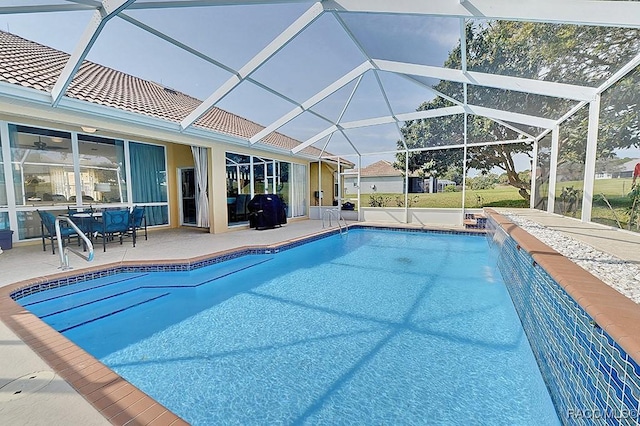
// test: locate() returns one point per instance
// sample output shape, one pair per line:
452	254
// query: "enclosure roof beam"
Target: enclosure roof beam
204	3
513	117
254	63
514	128
518	84
344	109
212	61
47	8
432	148
431	113
577	12
304	106
315	139
108	10
175	42
620	74
440	112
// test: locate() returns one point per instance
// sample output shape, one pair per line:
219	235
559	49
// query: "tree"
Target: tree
453	174
483	181
565	53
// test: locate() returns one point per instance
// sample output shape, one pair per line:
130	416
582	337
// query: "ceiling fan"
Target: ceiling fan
42	146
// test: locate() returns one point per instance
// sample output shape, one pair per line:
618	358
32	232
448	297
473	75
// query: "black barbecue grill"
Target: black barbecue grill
266	211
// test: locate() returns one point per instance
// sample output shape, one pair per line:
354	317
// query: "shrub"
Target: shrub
520	203
412	200
378	201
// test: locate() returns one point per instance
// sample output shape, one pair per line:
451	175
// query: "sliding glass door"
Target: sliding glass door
249	175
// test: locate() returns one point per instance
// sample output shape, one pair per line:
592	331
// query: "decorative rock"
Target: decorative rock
620	275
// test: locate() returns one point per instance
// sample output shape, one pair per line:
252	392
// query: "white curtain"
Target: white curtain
58	184
201	161
298	204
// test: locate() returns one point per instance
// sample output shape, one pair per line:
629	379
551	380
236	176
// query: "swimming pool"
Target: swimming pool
377	327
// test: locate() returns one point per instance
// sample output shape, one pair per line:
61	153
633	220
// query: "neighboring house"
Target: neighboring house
382	177
624	170
379	177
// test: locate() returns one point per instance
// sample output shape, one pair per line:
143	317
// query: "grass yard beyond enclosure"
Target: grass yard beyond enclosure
615	191
500	196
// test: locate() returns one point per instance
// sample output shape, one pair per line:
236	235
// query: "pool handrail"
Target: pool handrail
335	212
64	255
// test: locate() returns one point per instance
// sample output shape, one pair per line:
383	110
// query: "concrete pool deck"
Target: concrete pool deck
56	402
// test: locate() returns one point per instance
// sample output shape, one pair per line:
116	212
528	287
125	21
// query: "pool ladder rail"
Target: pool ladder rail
64	254
335	213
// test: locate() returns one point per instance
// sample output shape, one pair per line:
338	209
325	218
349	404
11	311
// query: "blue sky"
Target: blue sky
233	35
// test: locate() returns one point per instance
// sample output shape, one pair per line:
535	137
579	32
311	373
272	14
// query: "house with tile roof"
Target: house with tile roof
382	177
114	139
617	169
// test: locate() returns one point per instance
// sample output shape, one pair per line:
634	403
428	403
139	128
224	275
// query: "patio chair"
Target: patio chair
48	230
86	224
114	222
138	221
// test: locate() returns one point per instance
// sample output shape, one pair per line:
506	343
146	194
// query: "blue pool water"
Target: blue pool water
377	327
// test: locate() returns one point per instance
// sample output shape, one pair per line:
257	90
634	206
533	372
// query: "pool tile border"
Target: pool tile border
584	334
29	287
116	399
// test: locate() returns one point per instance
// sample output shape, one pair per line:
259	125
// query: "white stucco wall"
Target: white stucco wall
417	216
396	215
383	184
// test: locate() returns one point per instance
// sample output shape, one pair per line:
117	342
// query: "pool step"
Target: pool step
106	296
73	290
475	221
76	316
100	288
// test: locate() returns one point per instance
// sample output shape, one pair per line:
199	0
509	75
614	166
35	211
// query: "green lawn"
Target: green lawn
614	190
500	196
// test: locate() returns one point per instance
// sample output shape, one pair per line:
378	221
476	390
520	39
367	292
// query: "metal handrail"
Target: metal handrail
329	213
64	255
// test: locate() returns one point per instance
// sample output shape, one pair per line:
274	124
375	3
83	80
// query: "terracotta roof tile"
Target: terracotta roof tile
37	66
380	168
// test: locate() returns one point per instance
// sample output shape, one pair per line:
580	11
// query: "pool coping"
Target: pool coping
610	310
119	401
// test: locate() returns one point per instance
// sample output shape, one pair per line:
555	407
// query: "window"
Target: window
102	170
42	166
248	176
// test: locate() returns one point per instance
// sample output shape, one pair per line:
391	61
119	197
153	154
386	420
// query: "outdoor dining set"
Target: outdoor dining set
106	225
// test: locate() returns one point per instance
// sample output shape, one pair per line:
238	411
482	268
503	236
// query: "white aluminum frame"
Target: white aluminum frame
577	12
